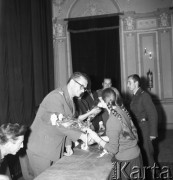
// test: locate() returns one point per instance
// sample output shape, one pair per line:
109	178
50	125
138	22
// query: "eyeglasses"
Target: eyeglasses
81	86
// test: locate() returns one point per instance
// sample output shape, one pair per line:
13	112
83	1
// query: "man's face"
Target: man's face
15	145
107	83
131	85
80	86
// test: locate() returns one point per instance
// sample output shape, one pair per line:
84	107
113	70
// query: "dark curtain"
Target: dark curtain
95	48
26	58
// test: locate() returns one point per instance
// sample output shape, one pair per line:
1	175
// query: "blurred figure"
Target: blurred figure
122	136
11	140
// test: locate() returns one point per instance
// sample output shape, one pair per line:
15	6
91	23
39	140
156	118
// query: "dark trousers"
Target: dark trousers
145	144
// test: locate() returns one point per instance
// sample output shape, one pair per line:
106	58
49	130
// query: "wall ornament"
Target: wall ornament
164	20
129	23
58	4
59	29
93	10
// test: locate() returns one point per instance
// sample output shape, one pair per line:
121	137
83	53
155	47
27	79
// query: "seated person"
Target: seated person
11	140
122	136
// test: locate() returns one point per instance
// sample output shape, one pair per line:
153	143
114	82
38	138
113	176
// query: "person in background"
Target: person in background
122	136
11	140
146	118
46	143
107	83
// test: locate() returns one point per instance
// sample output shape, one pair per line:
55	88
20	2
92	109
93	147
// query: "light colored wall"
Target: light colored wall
145	24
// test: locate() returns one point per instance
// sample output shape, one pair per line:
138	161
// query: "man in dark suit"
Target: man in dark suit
46	142
87	109
146	118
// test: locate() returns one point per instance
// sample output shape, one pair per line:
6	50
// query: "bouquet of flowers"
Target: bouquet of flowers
67	122
70	122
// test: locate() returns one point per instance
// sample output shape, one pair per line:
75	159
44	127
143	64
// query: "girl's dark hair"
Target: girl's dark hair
114	97
11	131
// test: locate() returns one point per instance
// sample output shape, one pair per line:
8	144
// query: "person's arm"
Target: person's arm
113	133
113	130
54	104
151	115
93	112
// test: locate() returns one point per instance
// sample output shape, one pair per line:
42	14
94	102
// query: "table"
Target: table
82	165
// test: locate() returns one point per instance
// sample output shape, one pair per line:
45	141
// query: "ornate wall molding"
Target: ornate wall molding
164	21
59	29
146	23
129	23
160	19
93	9
58	2
58	5
130	34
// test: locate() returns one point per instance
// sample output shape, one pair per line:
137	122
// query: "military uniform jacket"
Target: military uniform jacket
143	107
47	140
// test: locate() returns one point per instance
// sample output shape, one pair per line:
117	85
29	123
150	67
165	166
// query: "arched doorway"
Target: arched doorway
95	48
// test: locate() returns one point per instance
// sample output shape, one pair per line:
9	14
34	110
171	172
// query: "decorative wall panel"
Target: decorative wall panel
61	66
146	23
148	58
166	64
131	52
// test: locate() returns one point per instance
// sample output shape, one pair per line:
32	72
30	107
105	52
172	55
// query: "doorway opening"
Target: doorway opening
95	48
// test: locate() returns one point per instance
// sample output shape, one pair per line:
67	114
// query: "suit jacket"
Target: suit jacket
143	107
47	140
86	103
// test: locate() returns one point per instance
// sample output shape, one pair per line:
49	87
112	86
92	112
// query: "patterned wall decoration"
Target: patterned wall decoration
164	20
146	23
93	9
59	29
58	2
129	23
58	5
132	22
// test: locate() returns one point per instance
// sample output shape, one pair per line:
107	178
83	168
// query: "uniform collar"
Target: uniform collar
138	91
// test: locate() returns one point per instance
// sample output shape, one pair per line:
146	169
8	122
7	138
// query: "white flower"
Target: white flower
53	119
100	105
60	117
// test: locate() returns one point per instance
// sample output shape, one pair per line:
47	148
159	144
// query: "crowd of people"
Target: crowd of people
130	132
